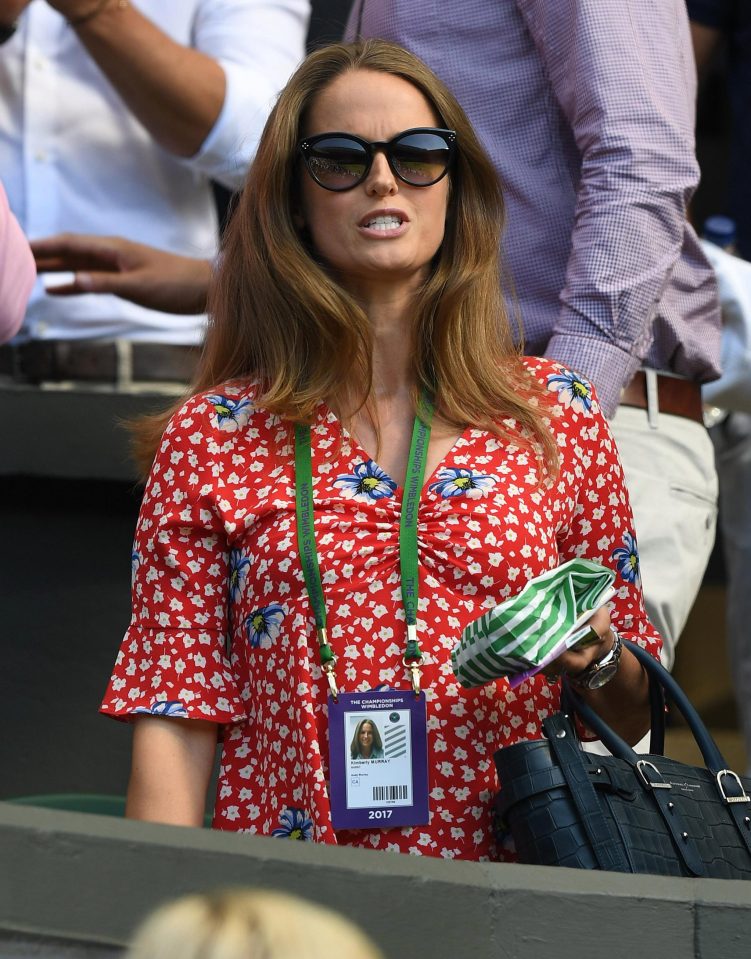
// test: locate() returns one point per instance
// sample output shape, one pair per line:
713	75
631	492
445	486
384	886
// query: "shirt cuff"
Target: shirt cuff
228	150
606	366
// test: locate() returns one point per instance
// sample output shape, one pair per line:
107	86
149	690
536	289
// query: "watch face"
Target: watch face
602	676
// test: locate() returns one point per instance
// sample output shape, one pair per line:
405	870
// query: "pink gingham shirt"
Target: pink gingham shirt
587	110
17	271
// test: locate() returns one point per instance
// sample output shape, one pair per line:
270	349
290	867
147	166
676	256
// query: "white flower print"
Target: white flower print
221	498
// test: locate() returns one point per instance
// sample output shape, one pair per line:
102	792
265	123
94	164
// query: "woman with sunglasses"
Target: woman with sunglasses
366	465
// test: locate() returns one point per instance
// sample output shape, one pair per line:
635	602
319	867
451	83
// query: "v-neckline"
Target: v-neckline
331	418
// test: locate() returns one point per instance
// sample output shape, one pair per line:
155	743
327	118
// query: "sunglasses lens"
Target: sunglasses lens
421	158
337	163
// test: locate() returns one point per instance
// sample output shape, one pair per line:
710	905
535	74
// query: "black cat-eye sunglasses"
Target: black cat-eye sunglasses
339	161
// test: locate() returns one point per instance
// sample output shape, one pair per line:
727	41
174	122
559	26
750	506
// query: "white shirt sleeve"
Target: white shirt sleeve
258	43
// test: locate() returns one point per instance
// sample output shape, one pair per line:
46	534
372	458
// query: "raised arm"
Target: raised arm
176	92
624	78
206	100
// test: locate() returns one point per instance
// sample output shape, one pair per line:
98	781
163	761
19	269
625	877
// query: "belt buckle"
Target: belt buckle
124	364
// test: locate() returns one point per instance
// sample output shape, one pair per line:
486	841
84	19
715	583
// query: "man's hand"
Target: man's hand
136	272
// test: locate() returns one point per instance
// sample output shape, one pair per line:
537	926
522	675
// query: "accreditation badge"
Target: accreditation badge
378	759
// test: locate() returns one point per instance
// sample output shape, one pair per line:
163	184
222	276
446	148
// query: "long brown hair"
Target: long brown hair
354	746
279	317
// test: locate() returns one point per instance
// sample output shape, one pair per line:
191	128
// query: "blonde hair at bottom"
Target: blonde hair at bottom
248	924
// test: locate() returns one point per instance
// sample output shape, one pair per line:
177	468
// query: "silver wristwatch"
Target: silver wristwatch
601	671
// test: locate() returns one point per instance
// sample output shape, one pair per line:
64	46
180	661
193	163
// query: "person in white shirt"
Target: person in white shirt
114	118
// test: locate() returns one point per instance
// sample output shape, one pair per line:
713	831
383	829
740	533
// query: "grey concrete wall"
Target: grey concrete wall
71	433
87	881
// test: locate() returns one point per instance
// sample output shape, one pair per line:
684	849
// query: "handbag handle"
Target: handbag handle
657	717
729	785
657	673
656	712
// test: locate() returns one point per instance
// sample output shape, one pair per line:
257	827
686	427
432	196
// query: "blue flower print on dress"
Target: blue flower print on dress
627	559
294	824
172	708
135	562
573	391
367	482
264	625
239	564
460	482
231	414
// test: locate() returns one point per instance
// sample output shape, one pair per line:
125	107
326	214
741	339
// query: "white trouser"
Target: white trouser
671	479
732	441
672	484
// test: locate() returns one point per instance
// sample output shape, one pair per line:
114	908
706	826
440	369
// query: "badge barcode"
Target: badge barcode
382	793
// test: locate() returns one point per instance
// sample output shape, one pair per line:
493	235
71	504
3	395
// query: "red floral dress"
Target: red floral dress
222	628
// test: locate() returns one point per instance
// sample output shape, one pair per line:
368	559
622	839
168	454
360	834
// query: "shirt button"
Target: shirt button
40	156
41	329
39	63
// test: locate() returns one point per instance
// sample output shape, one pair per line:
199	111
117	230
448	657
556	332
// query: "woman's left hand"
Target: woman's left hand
576	660
623	703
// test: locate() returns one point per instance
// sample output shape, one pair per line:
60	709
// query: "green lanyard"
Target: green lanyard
306	542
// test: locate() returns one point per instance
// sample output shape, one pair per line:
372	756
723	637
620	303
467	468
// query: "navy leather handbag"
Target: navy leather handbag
629	812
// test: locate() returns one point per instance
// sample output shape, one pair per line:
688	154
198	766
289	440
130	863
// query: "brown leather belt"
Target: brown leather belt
675	396
40	361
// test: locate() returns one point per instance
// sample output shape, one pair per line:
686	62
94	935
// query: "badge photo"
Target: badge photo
378	760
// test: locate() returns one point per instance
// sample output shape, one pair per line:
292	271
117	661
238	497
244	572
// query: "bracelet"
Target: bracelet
99	8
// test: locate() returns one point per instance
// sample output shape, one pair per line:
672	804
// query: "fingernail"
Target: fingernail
84	281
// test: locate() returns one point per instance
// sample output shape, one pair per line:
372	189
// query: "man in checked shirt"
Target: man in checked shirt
587	110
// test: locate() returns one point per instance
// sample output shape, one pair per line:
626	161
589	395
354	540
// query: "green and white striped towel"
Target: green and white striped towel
521	635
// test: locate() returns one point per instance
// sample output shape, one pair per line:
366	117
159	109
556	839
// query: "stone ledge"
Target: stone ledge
90	879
